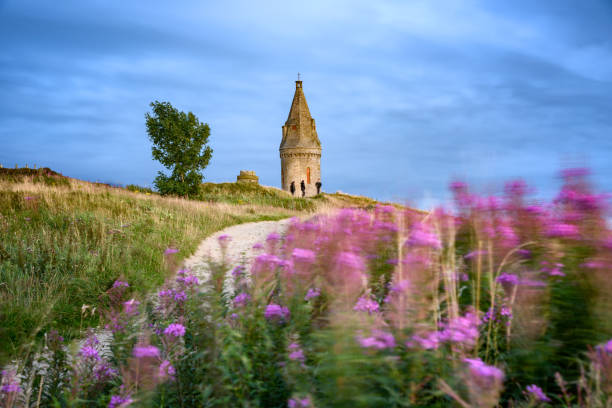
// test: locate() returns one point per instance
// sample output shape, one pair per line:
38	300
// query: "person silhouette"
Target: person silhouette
318	184
292	187
303	188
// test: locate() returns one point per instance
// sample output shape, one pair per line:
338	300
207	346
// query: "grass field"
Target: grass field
65	241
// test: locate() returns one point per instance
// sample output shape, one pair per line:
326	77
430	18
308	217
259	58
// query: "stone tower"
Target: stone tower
300	149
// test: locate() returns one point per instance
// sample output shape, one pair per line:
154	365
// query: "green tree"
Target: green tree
180	145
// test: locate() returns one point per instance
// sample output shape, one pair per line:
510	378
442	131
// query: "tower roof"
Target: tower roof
299	130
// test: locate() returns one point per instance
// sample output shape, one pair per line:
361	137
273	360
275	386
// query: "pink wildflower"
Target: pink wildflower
175	330
303	255
130	308
117	401
365	304
89	352
537	393
379	340
312	293
241	299
145	351
169	251
483	371
421	236
296	353
561	230
350	260
274	311
10	383
608	347
166	370
120	284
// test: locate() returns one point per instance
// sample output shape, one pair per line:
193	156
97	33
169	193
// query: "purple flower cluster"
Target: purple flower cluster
130	308
299	402
120	284
312	293
10	383
175	330
241	299
144	351
89	353
379	340
483	372
365	304
185	279
166	371
296	353
421	236
537	393
276	312
303	255
170	251
118	401
462	330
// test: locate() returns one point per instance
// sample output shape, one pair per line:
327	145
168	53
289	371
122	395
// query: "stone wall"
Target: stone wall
294	167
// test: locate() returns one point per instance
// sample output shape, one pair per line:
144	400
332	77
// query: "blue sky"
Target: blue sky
407	95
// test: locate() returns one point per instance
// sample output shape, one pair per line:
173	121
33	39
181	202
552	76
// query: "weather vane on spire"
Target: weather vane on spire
298	76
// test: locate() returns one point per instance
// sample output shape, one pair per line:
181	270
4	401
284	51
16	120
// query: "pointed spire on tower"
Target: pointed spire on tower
299	129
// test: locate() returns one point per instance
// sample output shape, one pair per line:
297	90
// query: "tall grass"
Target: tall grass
243	193
500	302
64	242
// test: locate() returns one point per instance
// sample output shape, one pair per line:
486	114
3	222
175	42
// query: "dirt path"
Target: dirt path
239	248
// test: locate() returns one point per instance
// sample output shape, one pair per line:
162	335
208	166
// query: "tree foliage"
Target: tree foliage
179	144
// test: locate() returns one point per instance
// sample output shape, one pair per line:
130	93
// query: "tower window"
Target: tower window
308	175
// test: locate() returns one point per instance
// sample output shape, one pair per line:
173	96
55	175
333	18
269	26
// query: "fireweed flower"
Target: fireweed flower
431	341
180	296
117	401
608	347
350	260
10	382
295	352
537	393
273	237
303	255
130	308
421	236
312	293
238	271
175	330
120	284
276	312
145	351
561	230
508	279
484	372
169	251
365	304
241	299
103	372
89	353
484	382
191	280
299	402
379	340
462	329
258	246
224	240
166	371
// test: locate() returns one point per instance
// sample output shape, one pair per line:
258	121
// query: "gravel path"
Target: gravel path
239	249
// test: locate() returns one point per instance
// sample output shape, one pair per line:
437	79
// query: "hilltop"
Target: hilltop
66	241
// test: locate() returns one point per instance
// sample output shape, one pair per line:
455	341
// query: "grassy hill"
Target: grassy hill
66	241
